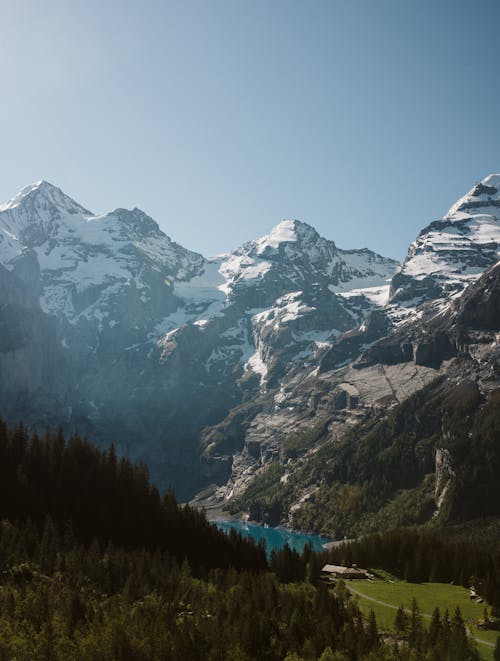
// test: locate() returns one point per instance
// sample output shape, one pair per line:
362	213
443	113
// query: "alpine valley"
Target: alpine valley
328	389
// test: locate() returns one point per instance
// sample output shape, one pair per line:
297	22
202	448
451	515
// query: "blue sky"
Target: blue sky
365	118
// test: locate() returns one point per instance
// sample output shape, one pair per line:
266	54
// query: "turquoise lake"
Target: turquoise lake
275	538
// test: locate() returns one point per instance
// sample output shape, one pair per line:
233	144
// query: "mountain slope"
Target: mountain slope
34	374
432	457
86	261
398	350
161	342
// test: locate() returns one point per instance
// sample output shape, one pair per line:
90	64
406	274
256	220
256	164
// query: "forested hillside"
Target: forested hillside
97	496
95	565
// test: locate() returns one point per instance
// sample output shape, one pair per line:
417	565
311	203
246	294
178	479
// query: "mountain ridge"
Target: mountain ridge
168	349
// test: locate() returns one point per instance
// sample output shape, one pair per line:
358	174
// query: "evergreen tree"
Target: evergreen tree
416	627
401	619
435	627
372	639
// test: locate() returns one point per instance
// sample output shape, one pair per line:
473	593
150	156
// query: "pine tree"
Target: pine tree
435	626
400	621
49	545
416	624
458	645
372	632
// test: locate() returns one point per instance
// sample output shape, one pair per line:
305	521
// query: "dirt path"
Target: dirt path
407	610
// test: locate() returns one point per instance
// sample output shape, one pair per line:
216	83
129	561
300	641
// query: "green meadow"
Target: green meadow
393	593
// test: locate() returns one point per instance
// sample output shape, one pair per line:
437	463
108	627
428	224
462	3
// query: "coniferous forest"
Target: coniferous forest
96	565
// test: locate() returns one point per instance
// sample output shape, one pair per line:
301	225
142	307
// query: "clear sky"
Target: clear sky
364	118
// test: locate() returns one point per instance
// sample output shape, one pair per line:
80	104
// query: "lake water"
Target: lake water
275	538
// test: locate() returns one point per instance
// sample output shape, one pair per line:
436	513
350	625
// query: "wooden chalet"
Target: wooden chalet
337	571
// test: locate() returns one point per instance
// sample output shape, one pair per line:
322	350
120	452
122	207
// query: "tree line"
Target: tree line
62	600
94	564
108	499
420	555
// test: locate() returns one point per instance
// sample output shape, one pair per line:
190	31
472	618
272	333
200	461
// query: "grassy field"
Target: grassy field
394	593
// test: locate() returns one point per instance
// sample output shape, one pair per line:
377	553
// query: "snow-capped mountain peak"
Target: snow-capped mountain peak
483	194
87	260
34	216
450	253
293	252
287	231
492	180
282	232
43	196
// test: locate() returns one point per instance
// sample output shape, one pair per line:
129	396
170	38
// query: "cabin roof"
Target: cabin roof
338	569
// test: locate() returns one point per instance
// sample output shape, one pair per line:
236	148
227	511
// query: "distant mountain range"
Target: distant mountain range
214	369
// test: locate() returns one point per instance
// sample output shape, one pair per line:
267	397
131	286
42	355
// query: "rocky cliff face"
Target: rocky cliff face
399	443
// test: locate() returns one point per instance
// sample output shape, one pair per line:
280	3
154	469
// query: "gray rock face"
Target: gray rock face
479	307
351	344
441	333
